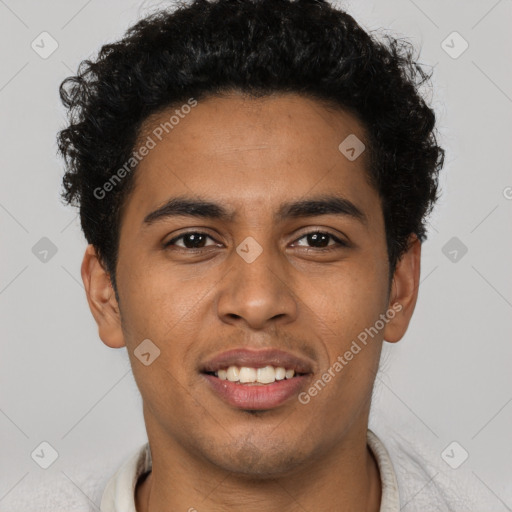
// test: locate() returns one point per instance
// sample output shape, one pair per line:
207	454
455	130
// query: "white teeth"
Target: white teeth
232	374
266	375
280	373
247	375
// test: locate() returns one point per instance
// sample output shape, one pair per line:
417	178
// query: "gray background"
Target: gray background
448	380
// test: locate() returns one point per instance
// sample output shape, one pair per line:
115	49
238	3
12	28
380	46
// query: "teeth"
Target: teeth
266	375
289	374
280	373
232	374
247	375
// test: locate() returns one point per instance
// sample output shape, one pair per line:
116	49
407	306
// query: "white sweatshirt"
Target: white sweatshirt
414	478
119	493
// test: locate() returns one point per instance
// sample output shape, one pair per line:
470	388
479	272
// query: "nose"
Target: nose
257	291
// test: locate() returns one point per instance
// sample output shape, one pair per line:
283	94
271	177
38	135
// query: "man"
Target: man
253	180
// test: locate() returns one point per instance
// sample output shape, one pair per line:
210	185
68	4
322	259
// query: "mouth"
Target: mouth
255	376
256	380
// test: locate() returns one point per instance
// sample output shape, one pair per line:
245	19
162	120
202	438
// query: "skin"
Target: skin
252	155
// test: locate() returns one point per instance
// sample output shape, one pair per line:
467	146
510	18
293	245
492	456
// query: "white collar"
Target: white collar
119	494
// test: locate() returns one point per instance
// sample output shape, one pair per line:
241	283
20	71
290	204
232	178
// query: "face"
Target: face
286	266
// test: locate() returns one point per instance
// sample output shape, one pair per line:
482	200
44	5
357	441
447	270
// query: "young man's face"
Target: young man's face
254	281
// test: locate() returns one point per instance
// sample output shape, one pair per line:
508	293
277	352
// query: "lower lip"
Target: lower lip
256	397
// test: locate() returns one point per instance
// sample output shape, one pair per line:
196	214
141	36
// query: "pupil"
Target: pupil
315	237
195	240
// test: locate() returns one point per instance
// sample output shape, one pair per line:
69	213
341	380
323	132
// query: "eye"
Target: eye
320	240
196	240
191	240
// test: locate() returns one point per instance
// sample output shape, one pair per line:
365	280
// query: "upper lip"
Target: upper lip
257	359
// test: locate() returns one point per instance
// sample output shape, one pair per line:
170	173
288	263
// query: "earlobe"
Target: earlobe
101	299
404	291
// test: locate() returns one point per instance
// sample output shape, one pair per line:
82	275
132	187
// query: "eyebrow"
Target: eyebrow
312	207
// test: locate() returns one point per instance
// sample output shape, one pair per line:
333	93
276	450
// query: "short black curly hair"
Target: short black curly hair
255	47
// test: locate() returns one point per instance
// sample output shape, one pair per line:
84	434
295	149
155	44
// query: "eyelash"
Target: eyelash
339	243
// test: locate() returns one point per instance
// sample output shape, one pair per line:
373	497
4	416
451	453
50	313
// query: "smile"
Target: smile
257	379
248	375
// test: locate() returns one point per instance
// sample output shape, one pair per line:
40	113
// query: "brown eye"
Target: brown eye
320	240
192	240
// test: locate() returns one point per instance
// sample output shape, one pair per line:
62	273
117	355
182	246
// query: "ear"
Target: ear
101	299
404	291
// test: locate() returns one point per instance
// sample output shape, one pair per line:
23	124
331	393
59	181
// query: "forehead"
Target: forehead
249	153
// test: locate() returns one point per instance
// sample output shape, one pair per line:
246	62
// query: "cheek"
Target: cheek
153	299
159	309
353	299
347	312
170	313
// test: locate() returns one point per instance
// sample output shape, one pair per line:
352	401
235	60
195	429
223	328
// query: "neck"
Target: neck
345	479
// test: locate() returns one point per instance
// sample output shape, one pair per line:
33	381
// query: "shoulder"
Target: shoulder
71	489
119	490
425	481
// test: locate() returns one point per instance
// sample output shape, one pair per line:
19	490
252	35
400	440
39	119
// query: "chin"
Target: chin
253	462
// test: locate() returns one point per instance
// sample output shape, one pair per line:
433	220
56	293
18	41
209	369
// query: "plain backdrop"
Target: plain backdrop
448	380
